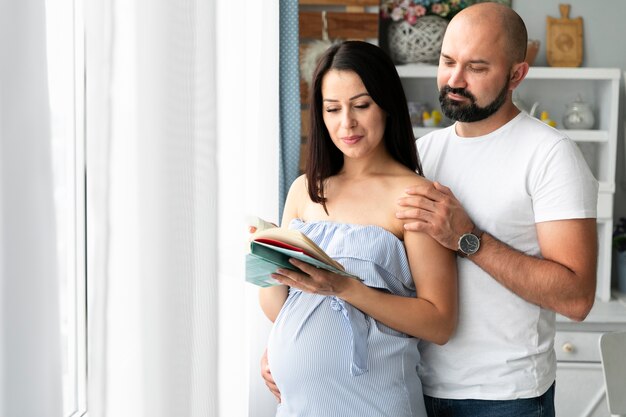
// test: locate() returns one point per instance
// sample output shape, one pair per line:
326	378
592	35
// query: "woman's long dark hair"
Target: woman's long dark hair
380	78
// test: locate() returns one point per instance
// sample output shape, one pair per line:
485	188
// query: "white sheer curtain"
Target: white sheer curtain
248	134
182	143
152	182
30	334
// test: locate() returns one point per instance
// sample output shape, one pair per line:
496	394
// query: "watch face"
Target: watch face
469	244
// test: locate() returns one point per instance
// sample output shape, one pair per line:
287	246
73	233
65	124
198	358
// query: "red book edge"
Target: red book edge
281	245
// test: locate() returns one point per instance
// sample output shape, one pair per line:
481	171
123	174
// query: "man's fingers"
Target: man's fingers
417	226
442	188
410	201
419	202
434	191
419	189
416	214
409	214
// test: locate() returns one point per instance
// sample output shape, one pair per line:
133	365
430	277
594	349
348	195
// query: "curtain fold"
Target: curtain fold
289	98
162	158
153	209
183	141
248	152
98	41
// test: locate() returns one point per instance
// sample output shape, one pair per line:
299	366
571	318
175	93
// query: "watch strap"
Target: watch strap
478	232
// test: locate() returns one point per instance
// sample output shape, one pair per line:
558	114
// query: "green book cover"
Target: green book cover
265	259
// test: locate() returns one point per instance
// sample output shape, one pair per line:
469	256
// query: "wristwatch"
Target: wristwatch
469	243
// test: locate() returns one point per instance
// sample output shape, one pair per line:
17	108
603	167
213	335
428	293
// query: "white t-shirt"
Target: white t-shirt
521	174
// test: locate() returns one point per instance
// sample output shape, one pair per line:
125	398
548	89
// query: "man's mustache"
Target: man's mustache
458	91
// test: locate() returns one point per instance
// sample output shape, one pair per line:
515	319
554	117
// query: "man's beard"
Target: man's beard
471	112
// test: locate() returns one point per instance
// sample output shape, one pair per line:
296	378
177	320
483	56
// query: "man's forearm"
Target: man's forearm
544	282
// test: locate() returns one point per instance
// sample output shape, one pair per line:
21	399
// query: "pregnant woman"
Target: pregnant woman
340	346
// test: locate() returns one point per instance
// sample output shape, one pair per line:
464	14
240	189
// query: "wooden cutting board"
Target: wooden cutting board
564	39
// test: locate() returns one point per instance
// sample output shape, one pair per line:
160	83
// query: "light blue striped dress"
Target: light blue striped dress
327	357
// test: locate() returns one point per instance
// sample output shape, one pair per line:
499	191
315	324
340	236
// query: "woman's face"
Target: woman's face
354	121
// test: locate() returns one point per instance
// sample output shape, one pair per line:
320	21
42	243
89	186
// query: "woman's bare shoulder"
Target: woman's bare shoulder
299	184
296	201
409	179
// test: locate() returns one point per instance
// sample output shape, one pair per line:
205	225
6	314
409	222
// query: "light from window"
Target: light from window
65	61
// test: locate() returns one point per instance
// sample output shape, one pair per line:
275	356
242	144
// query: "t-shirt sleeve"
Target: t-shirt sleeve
564	187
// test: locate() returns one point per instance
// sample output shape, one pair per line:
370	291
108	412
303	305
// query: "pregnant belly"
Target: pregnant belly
308	340
310	357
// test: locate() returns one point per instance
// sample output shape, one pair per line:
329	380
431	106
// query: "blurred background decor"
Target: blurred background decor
320	23
412	30
578	115
531	51
311	54
564	39
619	246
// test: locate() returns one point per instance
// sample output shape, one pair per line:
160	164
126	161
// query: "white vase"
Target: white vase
420	42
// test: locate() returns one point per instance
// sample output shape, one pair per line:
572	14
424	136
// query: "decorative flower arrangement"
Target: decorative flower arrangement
411	10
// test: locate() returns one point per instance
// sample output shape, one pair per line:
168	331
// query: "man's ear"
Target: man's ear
518	73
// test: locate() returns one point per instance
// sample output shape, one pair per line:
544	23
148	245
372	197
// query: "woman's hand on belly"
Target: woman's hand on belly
266	374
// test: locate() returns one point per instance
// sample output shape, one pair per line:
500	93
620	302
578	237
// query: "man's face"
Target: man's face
474	71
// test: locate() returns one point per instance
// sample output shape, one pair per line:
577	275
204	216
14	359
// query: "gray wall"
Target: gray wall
604	38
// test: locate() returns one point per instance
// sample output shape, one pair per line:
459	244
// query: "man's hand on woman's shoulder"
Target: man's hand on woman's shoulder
436	211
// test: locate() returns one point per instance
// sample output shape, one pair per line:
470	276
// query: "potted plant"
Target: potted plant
619	245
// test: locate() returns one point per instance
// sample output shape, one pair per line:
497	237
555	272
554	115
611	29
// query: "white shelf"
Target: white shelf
587	135
557	73
417	71
612	311
606	187
418	132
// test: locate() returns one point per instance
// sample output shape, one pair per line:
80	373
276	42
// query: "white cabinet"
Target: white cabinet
579	390
554	89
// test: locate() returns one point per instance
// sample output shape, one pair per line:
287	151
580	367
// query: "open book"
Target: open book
271	249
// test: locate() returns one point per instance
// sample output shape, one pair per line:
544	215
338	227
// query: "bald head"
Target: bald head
504	23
